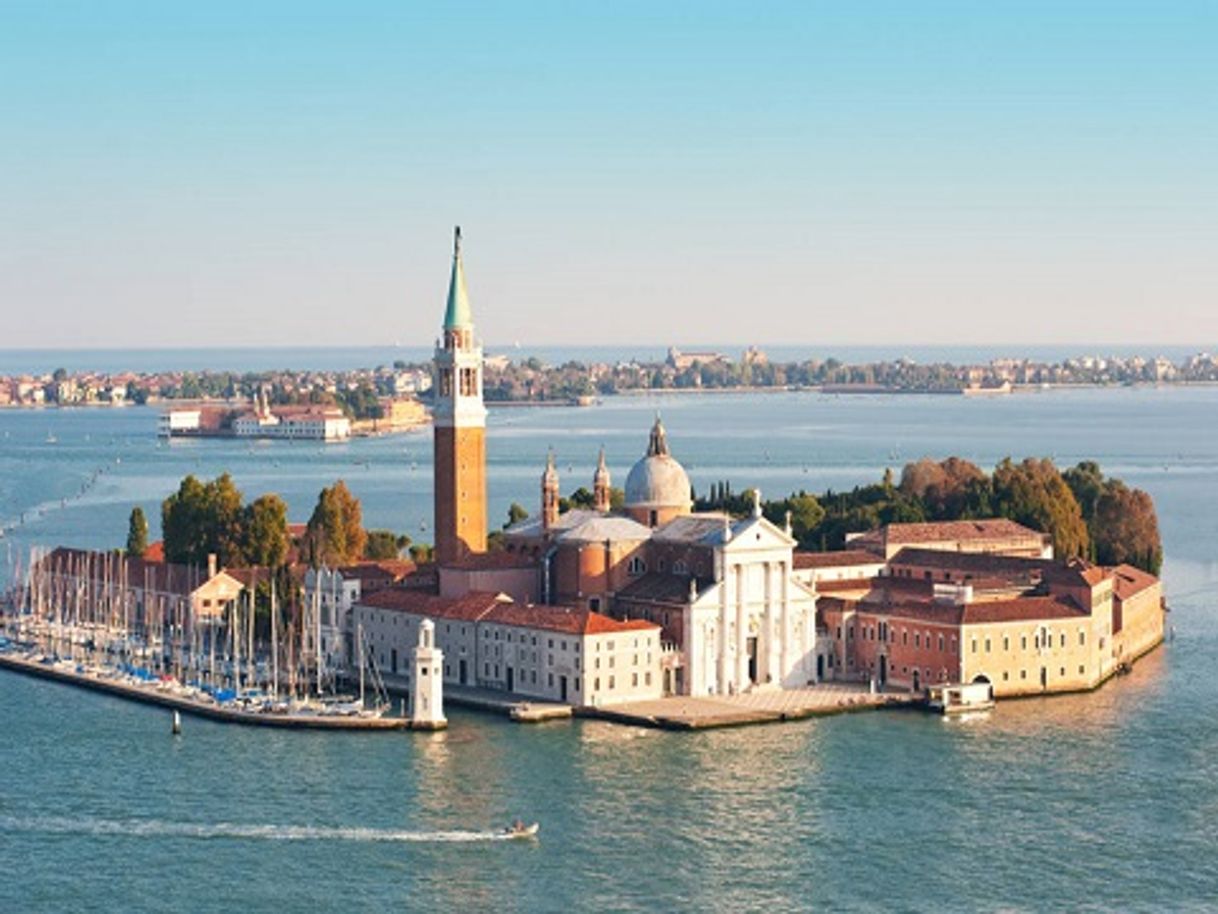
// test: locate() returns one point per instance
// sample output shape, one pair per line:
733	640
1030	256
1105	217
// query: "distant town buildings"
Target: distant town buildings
297	423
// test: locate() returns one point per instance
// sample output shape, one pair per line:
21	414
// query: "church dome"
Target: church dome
658	480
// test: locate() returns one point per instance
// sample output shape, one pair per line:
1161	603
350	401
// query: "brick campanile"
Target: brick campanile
460	427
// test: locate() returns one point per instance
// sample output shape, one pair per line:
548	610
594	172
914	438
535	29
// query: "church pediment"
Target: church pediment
757	534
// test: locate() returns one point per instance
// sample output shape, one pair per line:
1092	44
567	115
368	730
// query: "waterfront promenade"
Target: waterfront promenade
682	712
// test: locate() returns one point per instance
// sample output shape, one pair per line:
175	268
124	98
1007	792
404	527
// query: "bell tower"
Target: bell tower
549	494
460	427
601	489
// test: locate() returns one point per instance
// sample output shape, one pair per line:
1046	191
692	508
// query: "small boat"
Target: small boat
519	831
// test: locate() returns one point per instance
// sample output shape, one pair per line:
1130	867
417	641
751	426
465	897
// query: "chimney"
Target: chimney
211	565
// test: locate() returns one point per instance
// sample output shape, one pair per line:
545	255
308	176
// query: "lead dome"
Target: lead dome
657	485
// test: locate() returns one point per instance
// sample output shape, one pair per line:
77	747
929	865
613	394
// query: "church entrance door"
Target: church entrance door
883	670
752	649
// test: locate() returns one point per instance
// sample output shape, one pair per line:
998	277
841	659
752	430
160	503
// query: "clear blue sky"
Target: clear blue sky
183	174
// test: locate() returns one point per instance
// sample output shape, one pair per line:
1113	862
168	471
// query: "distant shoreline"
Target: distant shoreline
640	392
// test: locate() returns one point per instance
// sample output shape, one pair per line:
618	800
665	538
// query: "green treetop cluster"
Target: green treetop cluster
1086	514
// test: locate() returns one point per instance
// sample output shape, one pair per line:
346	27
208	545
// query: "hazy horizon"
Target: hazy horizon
288	174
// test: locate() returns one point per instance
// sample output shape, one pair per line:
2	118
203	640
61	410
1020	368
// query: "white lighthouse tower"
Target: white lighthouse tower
427	711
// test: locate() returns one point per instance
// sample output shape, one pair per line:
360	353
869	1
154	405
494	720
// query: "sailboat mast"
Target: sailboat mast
274	644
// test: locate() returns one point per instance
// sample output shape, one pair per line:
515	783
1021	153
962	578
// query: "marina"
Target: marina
168	694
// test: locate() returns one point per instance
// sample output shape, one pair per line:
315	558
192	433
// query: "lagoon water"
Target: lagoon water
1101	801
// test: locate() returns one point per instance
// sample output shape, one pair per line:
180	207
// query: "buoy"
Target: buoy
177	724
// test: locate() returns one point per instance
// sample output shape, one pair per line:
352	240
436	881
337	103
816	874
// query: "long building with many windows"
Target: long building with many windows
549	653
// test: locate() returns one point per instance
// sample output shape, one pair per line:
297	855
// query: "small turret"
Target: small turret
427	711
549	494
601	489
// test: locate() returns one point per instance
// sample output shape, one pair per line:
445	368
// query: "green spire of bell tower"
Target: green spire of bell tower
458	315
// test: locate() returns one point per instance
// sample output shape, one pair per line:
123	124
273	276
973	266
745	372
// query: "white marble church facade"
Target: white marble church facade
754	627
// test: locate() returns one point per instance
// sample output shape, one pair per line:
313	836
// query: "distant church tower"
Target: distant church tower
460	427
601	490
549	494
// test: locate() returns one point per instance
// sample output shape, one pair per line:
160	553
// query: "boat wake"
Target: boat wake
153	828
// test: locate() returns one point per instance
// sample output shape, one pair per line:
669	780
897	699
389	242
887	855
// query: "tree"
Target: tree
60	374
516	513
336	529
1126	528
944	488
1033	493
182	523
581	498
384	544
421	552
137	533
266	531
204	519
1087	483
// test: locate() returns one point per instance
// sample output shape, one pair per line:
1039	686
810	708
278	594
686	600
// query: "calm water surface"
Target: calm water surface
1102	801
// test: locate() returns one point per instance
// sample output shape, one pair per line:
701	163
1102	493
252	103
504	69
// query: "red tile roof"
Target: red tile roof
379	570
468	608
1128	581
947	531
563	619
1075	573
490	561
479	606
1023	609
843	558
986	563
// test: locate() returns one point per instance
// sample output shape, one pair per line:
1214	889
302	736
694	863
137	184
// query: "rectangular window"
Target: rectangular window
940	644
611	682
1006	643
1063	639
1082	637
1023	642
974	645
987	645
635	680
1080	669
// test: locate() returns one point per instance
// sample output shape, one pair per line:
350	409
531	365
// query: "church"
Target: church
732	613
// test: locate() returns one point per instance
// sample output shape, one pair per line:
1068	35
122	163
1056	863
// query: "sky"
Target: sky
931	172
